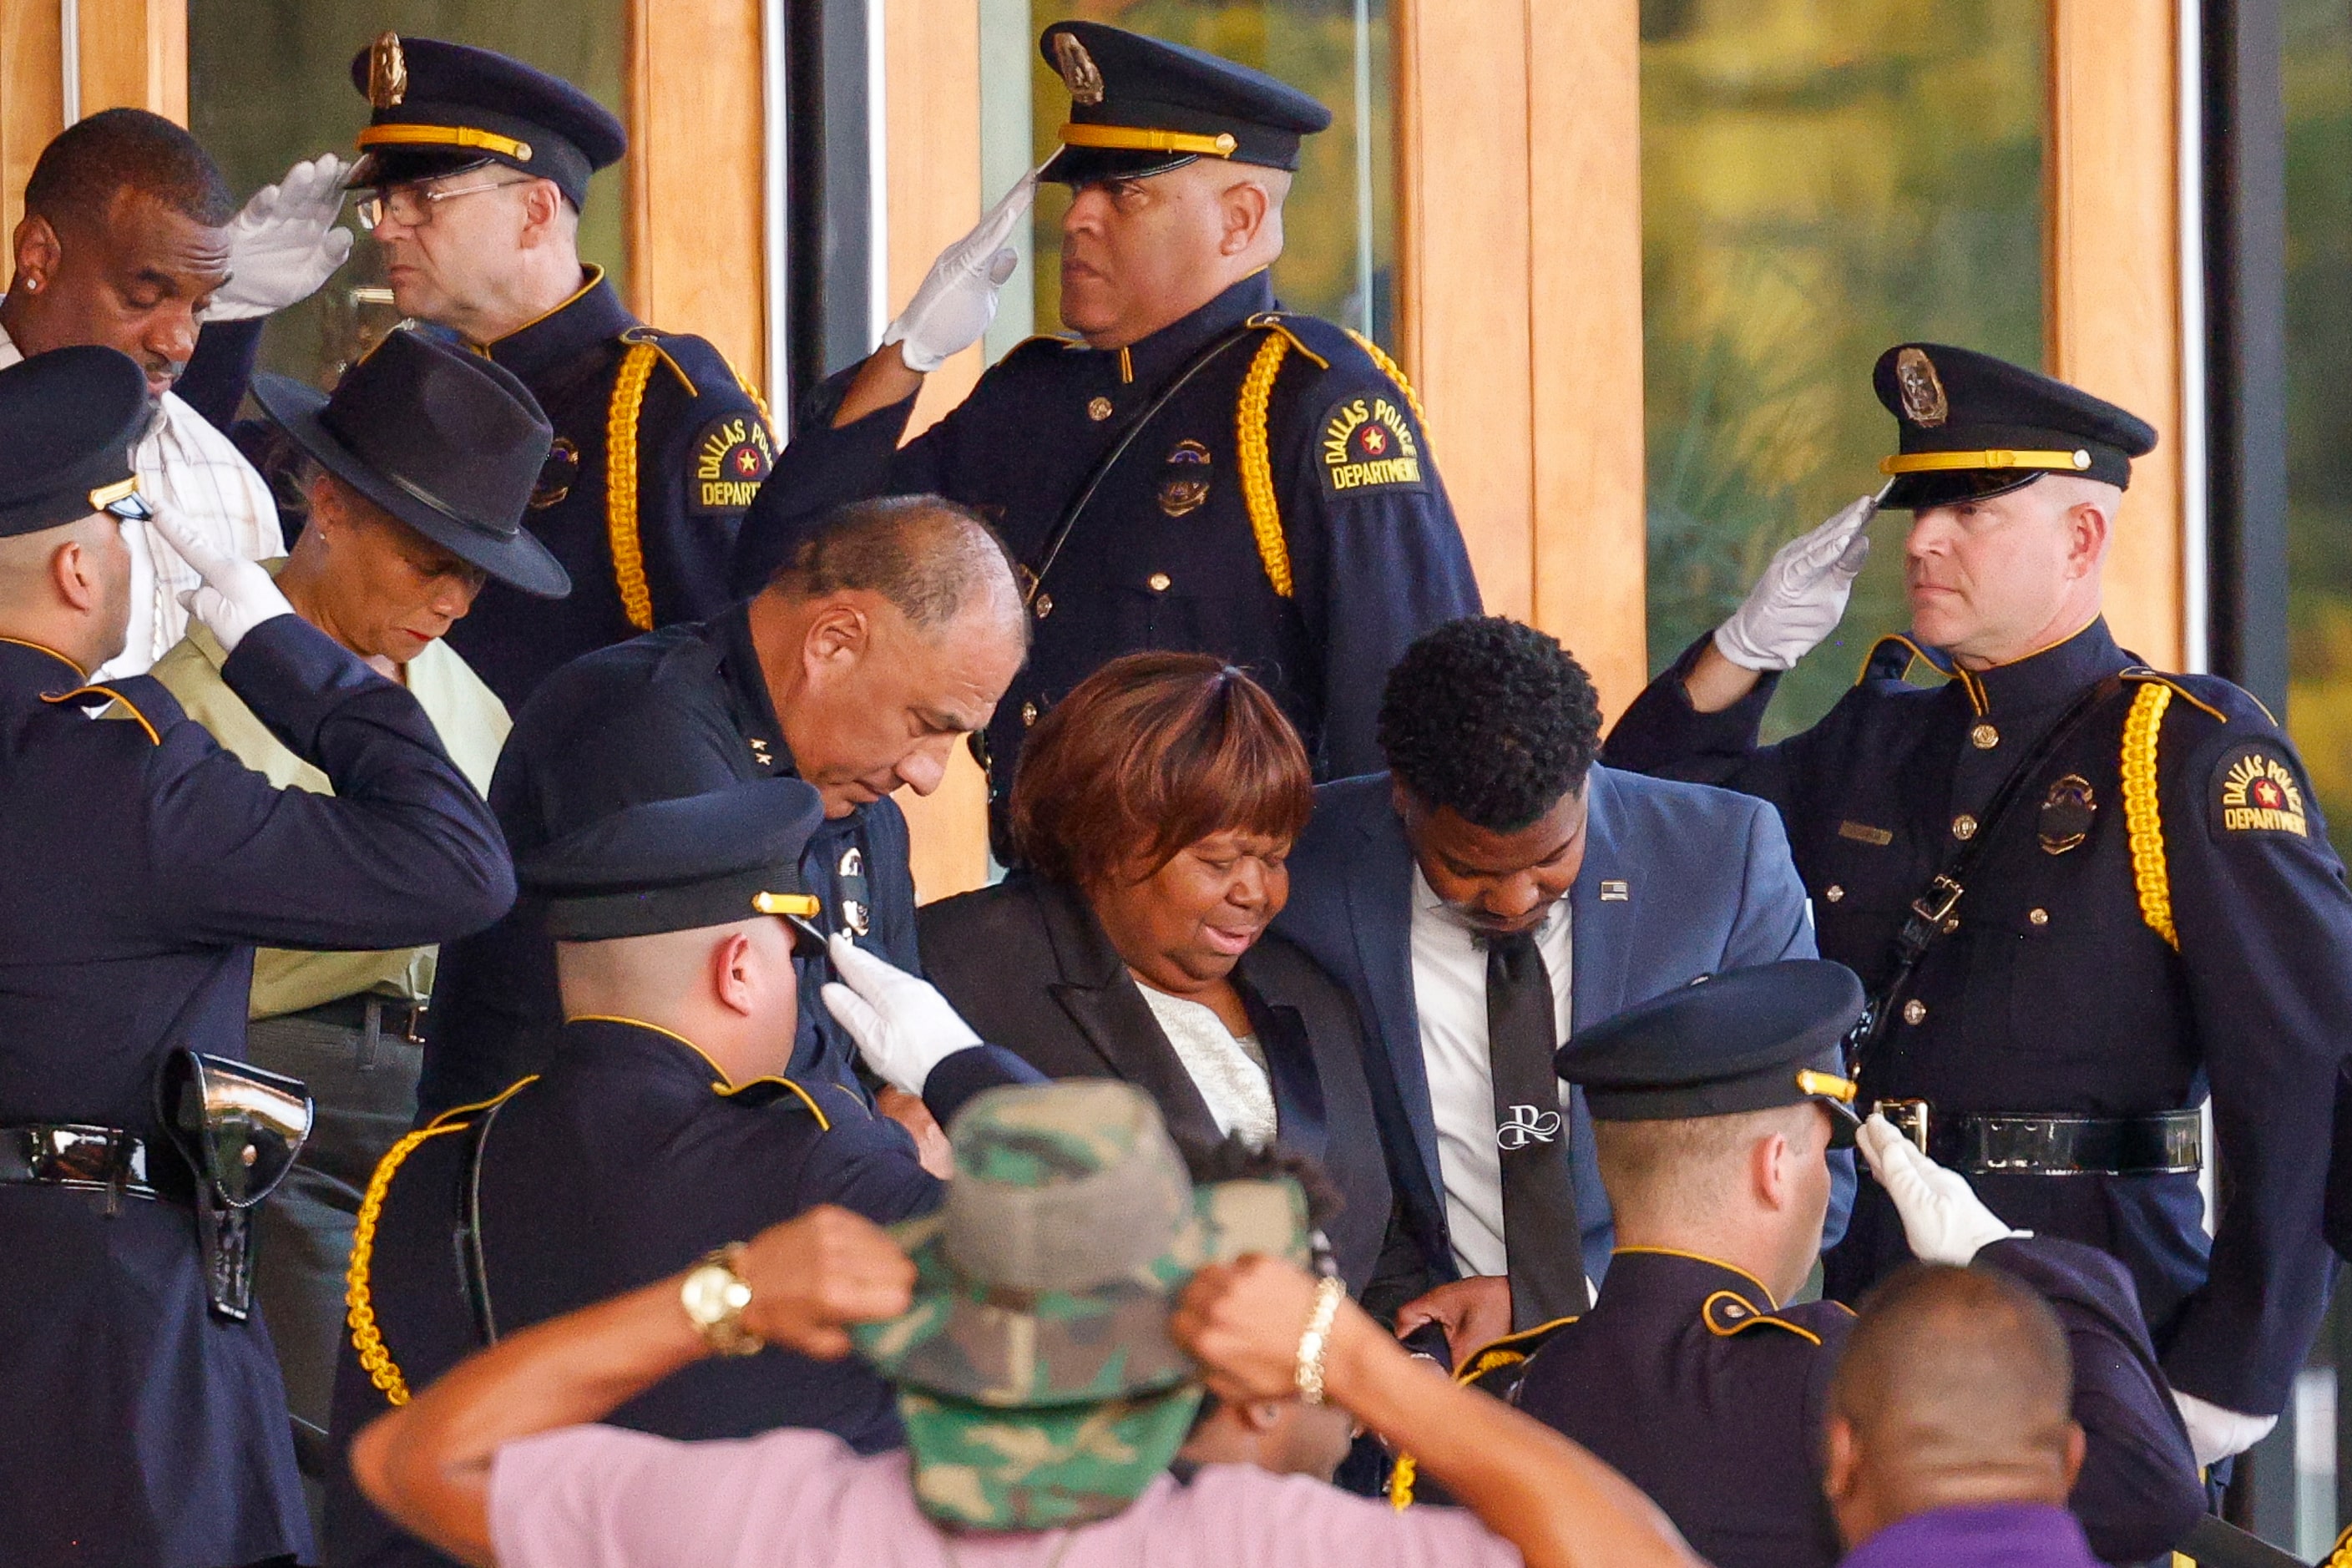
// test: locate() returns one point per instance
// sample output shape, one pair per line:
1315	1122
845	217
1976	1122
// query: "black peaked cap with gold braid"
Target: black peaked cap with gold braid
1139	106
436	108
1974	427
71	415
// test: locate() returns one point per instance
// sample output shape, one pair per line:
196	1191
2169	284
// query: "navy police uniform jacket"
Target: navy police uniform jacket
2157	914
142	864
627	1161
659	448
677	712
1688	1378
1347	554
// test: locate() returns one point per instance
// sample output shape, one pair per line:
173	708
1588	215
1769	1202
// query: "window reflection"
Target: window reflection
1820	179
269	82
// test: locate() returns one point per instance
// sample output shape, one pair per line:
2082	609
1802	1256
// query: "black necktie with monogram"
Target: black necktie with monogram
1541	1238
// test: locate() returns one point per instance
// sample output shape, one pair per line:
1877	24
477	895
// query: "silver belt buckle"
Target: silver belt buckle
1908	1117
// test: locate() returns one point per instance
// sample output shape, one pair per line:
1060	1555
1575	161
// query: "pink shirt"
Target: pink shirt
596	1497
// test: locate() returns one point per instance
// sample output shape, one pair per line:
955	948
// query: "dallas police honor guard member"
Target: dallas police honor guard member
142	1418
477	166
2081	891
1201	471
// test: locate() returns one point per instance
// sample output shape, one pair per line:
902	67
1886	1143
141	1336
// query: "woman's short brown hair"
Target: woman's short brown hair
1150	753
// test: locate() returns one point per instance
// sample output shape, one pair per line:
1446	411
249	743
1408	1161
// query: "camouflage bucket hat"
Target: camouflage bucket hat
1043	1286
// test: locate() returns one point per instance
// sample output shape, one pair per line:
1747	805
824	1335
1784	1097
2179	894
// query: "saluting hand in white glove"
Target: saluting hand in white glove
284	245
902	1024
2215	1433
1801	594
1943	1218
238	596
958	298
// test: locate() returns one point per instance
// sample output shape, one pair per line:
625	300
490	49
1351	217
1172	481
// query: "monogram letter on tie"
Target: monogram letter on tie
1527	1124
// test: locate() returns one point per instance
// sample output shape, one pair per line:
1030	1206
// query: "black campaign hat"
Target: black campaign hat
445	441
440	107
681	865
1138	106
69	419
1973	426
1745	1039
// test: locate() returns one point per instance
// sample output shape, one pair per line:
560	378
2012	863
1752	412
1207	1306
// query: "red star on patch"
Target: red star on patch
747	463
2268	794
1374	441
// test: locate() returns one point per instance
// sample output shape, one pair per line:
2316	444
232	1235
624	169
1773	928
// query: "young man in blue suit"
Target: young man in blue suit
1493	891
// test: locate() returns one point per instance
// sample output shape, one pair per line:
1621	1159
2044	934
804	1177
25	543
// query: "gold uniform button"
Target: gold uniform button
1984	737
1913	1011
1099	410
1833	892
1159	581
2039	917
1964	827
1028	714
1045	605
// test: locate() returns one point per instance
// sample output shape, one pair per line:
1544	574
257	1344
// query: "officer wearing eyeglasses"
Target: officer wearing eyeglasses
475	167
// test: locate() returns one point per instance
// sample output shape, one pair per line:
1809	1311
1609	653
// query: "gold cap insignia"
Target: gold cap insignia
1079	71
387	72
1922	393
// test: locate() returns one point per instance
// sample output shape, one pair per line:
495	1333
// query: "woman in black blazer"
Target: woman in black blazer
1153	810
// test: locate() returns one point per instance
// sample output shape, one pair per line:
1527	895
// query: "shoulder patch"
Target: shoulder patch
2255	789
728	459
1366	442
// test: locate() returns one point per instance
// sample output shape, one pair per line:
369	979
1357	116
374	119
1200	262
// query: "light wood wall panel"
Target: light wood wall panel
134	55
931	126
32	103
2112	317
695	154
1520	304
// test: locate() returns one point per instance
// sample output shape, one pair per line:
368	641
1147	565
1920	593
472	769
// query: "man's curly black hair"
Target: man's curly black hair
1492	719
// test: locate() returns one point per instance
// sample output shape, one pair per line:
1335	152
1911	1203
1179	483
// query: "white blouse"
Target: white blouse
1228	1070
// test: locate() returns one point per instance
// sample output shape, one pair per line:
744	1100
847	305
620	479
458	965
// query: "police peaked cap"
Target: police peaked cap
440	107
1139	106
69	419
679	865
1973	426
1745	1039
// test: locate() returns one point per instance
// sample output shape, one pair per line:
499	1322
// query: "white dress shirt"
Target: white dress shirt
1228	1069
1449	993
187	466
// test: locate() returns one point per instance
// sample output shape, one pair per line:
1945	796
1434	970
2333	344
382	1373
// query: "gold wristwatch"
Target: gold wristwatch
714	1297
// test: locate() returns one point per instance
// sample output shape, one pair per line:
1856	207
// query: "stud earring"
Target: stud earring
32	285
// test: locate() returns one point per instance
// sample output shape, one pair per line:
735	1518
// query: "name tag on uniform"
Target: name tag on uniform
1863	833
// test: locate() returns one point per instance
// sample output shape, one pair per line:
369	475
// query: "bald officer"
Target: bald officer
1198	469
2081	891
142	1418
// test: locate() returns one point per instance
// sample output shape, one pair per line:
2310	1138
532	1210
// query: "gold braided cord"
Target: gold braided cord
2142	814
1257	468
367	1338
621	484
1395	373
1400	1479
2341	1557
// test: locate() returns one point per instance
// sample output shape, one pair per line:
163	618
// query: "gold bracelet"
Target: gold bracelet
1328	1294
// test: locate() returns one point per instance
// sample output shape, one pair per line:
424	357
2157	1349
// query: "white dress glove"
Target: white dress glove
2214	1432
1943	1218
958	298
238	596
1801	594
902	1024
284	244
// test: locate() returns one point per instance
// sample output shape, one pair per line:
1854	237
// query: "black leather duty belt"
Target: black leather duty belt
2169	1142
70	1154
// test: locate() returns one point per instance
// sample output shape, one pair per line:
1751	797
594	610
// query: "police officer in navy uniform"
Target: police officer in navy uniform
2081	892
1712	1107
858	671
142	1416
664	1126
1198	469
477	166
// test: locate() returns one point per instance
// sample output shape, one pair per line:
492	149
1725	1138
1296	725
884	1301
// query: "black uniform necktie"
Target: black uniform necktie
1541	1238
